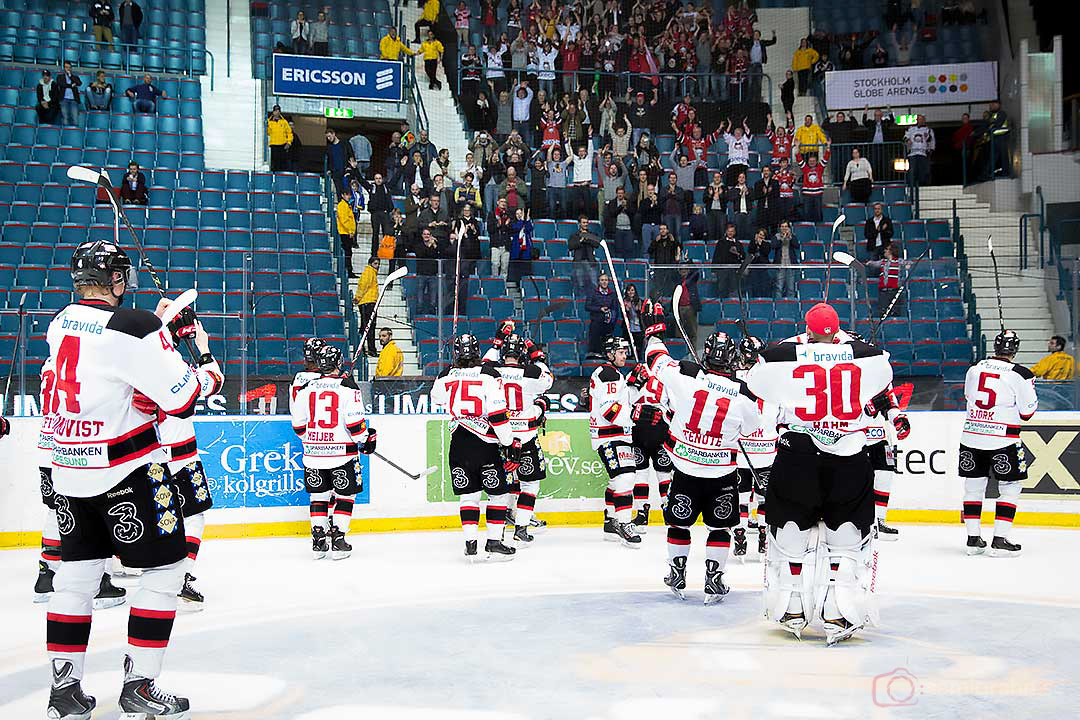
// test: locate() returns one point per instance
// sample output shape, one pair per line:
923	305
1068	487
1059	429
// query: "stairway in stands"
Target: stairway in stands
790	25
233	104
1023	295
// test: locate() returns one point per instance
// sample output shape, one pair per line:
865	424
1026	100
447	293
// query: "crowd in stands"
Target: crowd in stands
61	98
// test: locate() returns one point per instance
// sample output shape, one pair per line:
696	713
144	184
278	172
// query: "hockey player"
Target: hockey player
886	422
116	369
821	473
710	408
1000	394
524	384
611	428
328	416
311	368
178	437
758	447
473	396
649	435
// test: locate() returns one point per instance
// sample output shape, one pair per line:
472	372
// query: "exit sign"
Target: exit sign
338	112
907	119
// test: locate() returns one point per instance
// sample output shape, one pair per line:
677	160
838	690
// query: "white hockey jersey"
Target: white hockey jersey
301	379
1000	394
48	414
610	406
475	400
710	413
842	336
522	385
178	434
328	417
759	438
102	355
822	389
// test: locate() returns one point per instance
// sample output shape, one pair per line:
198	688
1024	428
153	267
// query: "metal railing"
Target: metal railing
133	58
1023	232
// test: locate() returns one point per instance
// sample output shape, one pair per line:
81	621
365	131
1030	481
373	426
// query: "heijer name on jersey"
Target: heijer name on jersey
522	385
475	400
759	437
1000	394
328	417
610	406
823	389
48	417
178	434
102	355
709	412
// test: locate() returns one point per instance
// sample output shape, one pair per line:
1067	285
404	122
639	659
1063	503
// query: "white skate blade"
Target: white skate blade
189	606
499	557
887	537
835	633
741	558
42	597
632	546
676	592
318	554
975	550
340	554
183	715
54	715
998	553
795	626
105	603
611	537
641	529
713	599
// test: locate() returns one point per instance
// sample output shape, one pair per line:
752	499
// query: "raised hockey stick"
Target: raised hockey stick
997	280
15	352
187	298
457	278
903	288
739	275
619	297
396	275
676	297
413	476
832	243
860	270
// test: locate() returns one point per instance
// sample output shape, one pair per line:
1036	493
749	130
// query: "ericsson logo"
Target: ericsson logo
384	79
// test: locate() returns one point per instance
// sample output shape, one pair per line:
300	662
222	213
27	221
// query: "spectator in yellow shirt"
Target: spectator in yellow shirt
391	47
346	227
802	63
1058	365
391	361
811	138
279	137
432	50
367	292
428	17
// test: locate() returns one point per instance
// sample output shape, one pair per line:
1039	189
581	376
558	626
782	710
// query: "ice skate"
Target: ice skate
320	544
141	699
470	551
641	520
676	578
794	623
497	551
68	701
740	545
611	529
537	525
975	545
108	594
1000	547
339	548
627	534
715	589
191	600
521	534
762	542
121	571
43	587
839	630
886	533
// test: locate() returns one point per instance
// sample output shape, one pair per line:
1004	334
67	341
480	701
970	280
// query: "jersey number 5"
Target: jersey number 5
827	389
984	387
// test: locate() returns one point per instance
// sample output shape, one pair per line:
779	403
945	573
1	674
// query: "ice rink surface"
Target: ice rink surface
579	629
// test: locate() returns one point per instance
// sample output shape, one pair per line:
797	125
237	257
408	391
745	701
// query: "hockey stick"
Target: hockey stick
397	274
619	297
888	311
676	297
457	277
997	280
749	464
739	275
832	243
413	476
15	352
175	307
860	270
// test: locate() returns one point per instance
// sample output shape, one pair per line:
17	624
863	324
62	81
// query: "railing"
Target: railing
1023	232
351	330
132	58
421	120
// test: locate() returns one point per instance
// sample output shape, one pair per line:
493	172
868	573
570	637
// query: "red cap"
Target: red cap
822	320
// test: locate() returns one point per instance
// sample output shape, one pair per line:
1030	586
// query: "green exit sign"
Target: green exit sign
907	119
338	112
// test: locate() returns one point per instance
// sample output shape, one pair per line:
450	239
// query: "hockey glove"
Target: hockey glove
506	329
536	353
542	403
146	406
902	425
182	326
652	319
638	376
646	415
369	445
584	401
512	456
5	427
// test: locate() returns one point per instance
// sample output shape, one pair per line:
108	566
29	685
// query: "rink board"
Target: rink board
254	467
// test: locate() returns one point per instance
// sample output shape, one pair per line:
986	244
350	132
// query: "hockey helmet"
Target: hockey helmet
750	348
720	353
514	347
96	262
466	348
311	349
1006	343
613	344
328	359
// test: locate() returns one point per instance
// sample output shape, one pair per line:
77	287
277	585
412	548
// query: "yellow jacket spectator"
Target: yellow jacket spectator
391	47
279	137
810	137
428	18
391	360
367	288
805	57
1058	365
346	221
468	194
431	48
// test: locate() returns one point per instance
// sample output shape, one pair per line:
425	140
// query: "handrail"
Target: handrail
1042	224
1023	237
228	37
126	51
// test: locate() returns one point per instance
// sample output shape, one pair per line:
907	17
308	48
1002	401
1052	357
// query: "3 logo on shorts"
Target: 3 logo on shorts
967	461
680	508
459	478
65	521
127	528
639	456
46	484
1002	466
341	479
490	478
723	506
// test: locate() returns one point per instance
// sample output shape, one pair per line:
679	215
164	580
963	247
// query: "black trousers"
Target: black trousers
380	225
367	315
279	158
431	67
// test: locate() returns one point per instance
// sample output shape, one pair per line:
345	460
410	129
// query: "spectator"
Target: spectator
441	166
878	232
538	186
468	194
380	205
919	141
759	250
484	114
101	14
900	46
810	137
428	255
1058	365
466	235
500	230
962	136
296	148
556	184
715	198
300	30
432	50
759	55
361	150
787	92
521	247
336	152
888	281
813	185
728	251
133	189
851	51
68	84
391	47
649	210
131	17
841	130
785	247
462	17
391	360
428	18
785	180
996	139
436	218
803	61
425	147
582	245
145	95
618	223
512	188
672	204
767	200
578	200
472	69
666	249
576	127
698	225
880	127
632	302
523	96
602	307
279	137
741	201
367	292
860	176
880	57
346	227
738	150
99	94
320	35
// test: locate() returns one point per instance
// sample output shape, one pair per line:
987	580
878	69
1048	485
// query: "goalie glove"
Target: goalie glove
369	444
652	319
638	376
512	456
902	426
646	415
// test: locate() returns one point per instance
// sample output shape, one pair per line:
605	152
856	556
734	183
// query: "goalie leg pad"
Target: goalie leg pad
788	571
846	576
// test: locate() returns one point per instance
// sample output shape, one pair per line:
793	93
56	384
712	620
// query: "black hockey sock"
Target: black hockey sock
318	509
624	504
496	519
470	520
665	485
609	503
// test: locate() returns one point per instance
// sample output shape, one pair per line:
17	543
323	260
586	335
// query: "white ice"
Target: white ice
578	628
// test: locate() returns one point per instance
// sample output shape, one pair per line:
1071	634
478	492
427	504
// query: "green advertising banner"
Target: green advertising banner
573	468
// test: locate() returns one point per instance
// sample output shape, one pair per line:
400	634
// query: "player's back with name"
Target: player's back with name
522	385
1000	395
101	355
474	399
610	407
328	416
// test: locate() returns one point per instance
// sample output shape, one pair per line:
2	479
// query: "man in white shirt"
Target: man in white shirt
919	141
